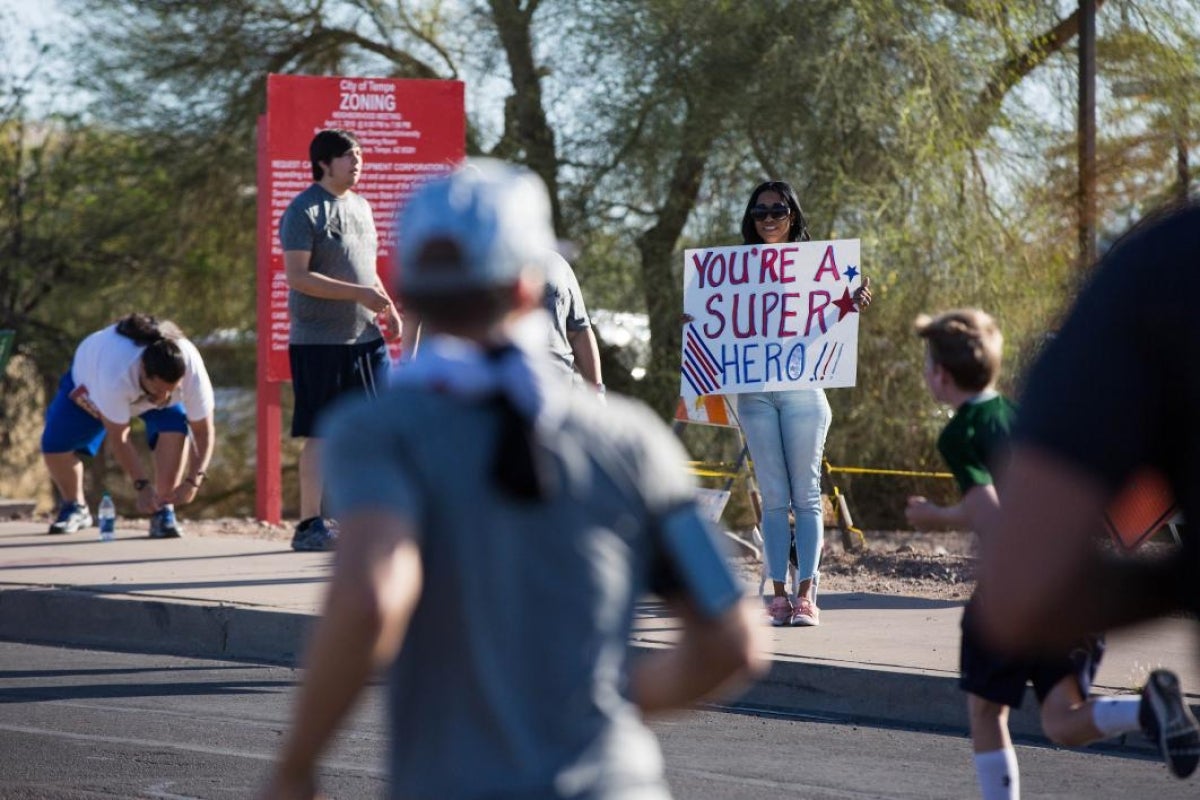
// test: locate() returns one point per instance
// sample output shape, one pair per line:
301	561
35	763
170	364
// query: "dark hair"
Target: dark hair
797	231
966	343
162	358
328	145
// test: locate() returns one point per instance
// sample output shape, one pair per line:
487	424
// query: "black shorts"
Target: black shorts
1001	678
321	373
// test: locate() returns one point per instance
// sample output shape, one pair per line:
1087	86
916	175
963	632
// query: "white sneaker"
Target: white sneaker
71	518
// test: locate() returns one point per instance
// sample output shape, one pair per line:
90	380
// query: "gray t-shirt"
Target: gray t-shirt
564	301
511	679
340	234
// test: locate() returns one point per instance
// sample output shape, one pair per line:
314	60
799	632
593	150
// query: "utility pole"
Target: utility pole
1087	133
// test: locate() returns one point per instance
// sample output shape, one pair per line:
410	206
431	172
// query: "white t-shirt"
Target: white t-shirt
106	369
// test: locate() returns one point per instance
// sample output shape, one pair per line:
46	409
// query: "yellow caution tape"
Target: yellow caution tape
904	473
727	470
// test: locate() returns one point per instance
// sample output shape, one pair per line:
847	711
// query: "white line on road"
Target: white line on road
157	744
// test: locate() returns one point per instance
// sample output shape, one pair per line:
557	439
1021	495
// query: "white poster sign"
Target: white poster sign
770	317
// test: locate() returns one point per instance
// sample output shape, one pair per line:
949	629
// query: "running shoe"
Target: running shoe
163	524
71	517
1168	722
314	535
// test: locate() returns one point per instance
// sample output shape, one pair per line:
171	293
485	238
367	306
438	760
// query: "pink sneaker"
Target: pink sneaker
806	614
780	612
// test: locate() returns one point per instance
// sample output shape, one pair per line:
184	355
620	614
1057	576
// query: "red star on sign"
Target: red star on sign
845	305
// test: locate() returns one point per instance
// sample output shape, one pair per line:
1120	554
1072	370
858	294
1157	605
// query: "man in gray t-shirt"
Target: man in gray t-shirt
498	529
572	341
335	297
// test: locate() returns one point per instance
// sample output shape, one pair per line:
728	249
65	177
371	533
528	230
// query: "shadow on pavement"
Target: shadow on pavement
862	600
40	694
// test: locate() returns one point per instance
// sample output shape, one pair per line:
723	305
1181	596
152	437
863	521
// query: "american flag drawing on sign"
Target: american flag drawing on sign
700	367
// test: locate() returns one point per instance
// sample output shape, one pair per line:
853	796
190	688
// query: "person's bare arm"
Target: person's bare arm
376	582
202	441
587	355
303	280
926	515
712	657
1043	582
976	510
393	322
122	449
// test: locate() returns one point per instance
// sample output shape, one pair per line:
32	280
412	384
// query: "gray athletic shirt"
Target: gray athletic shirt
340	234
564	301
511	680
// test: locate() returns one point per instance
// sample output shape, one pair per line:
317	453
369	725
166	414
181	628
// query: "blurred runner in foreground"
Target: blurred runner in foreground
498	530
1116	391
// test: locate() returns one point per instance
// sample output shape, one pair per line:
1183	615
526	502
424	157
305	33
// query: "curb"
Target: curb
91	619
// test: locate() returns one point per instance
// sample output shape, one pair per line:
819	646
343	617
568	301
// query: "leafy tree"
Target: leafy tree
69	225
85	238
920	126
92	223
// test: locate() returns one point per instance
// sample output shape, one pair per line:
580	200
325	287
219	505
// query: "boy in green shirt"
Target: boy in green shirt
962	364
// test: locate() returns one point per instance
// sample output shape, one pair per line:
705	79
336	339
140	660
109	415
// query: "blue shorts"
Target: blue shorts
71	429
321	373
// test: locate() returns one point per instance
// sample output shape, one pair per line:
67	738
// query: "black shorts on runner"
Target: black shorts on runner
1001	678
321	373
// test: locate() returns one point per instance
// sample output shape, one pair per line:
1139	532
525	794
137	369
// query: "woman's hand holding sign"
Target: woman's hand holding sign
862	295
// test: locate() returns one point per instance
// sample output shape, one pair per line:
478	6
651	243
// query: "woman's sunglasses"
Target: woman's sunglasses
777	211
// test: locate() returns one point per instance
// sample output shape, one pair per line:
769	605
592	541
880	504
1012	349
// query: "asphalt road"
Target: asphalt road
78	725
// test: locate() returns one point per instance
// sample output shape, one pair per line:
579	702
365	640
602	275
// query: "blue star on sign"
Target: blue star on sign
850	272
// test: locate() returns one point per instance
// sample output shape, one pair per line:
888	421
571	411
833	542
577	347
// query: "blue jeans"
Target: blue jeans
785	432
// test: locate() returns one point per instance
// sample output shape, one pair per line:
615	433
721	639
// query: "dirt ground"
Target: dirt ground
934	565
938	565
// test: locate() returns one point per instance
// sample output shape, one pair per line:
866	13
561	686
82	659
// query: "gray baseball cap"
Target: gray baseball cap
477	227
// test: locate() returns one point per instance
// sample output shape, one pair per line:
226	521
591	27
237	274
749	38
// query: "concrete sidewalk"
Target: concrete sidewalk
889	659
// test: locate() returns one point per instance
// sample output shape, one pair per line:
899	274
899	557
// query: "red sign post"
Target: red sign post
408	129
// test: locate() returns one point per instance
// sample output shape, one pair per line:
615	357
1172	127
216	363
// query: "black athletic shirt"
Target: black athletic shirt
1119	387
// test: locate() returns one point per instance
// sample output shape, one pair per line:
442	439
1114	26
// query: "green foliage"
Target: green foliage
89	232
95	223
940	133
69	223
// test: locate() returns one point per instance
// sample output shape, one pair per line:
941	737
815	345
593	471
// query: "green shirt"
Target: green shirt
975	442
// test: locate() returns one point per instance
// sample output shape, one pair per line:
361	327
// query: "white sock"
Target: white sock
999	777
1116	715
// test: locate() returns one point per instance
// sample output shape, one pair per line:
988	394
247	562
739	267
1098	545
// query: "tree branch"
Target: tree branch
1014	69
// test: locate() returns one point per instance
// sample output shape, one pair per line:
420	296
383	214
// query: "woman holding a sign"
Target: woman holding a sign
785	431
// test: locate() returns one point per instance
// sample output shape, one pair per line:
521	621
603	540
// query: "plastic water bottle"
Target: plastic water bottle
108	519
